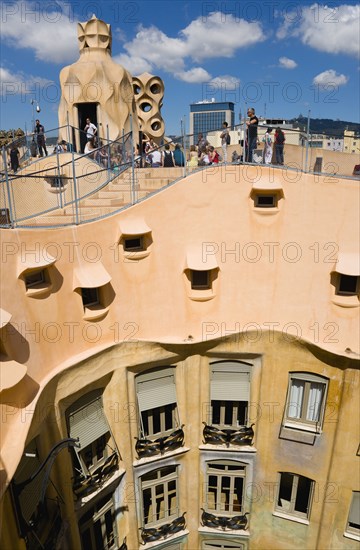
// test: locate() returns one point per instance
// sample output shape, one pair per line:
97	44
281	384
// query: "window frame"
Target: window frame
222	544
99	512
138	248
294	494
93	303
275	199
234	474
169	408
201	286
341	278
96	462
77	409
353	532
303	423
152	484
225	405
43	279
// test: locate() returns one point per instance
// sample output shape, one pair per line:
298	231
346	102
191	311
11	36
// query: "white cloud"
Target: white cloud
225	82
286	63
324	28
19	83
197	75
217	35
50	32
135	65
330	77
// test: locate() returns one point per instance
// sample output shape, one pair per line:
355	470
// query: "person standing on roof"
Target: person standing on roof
225	141
40	137
90	129
251	134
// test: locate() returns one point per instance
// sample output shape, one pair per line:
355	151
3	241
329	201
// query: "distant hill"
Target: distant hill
326	126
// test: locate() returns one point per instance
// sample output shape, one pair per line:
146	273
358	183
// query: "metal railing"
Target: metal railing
64	188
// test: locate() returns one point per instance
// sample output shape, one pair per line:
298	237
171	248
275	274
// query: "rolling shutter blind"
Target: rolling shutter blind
156	389
308	377
88	422
230	381
354	516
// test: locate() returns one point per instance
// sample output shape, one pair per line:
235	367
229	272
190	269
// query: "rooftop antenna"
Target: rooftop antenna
264	110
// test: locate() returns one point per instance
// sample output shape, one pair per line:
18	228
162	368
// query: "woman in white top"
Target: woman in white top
90	146
156	158
268	151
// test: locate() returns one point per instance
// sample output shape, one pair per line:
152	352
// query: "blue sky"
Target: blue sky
282	57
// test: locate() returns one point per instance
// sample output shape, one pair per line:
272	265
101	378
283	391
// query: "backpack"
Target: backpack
280	139
228	139
168	159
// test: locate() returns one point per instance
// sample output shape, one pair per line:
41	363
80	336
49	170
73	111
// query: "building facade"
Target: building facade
207	116
176	379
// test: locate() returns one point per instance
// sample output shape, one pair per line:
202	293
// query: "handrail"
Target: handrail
118	160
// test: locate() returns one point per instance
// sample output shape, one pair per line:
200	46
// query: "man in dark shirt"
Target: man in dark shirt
251	134
40	137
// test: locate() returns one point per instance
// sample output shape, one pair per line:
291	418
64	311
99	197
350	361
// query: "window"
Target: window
3	353
133	243
222	545
230	393
348	285
295	494
35	278
353	523
87	421
90	296
56	182
306	401
156	393
98	526
200	279
159	496
266	201
225	487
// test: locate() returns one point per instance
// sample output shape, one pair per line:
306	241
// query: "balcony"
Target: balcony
161	445
164	531
221	436
84	484
233	523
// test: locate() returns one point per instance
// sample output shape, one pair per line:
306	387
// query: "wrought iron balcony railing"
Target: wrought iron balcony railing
163	531
221	436
234	523
84	484
161	445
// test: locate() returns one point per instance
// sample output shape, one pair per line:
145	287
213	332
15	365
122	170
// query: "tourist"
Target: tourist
89	147
235	158
178	156
90	130
60	147
204	159
225	140
167	157
156	158
40	137
268	150
279	145
214	156
193	157
251	138
14	158
202	142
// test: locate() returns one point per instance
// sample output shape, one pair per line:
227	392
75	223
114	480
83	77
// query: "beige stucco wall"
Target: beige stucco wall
331	461
273	292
